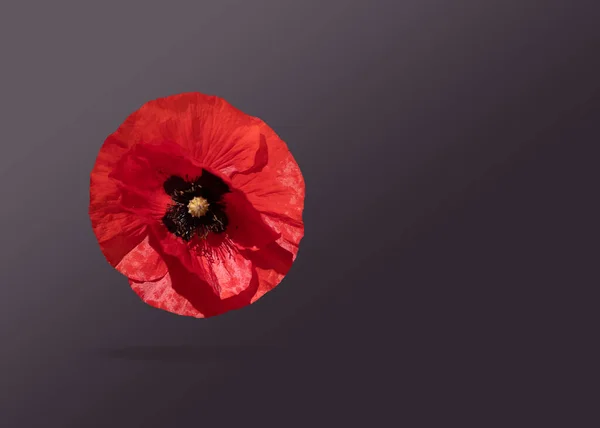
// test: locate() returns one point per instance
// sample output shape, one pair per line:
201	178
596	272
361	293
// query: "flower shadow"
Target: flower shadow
186	353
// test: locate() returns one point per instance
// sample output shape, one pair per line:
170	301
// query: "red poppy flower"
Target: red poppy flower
198	204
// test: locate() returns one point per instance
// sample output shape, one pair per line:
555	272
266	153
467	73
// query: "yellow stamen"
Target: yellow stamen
198	206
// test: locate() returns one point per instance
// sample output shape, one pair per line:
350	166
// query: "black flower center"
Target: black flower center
197	208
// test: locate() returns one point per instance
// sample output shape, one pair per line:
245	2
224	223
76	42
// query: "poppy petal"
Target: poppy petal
161	295
246	226
220	266
261	158
141	174
229	274
277	191
118	232
271	263
184	293
210	129
143	263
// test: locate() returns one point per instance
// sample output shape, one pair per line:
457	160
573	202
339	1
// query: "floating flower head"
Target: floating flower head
198	204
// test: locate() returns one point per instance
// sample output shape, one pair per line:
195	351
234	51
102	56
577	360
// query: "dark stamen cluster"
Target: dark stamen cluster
179	221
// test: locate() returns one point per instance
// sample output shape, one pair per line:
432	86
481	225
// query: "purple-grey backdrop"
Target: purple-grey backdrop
446	274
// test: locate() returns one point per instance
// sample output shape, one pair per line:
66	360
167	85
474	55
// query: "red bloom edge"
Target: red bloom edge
198	204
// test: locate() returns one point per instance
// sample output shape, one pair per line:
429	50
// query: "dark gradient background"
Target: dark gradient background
448	272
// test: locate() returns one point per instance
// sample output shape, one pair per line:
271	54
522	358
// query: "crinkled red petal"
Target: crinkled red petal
122	235
219	264
140	176
184	293
210	129
247	227
277	191
143	263
271	264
